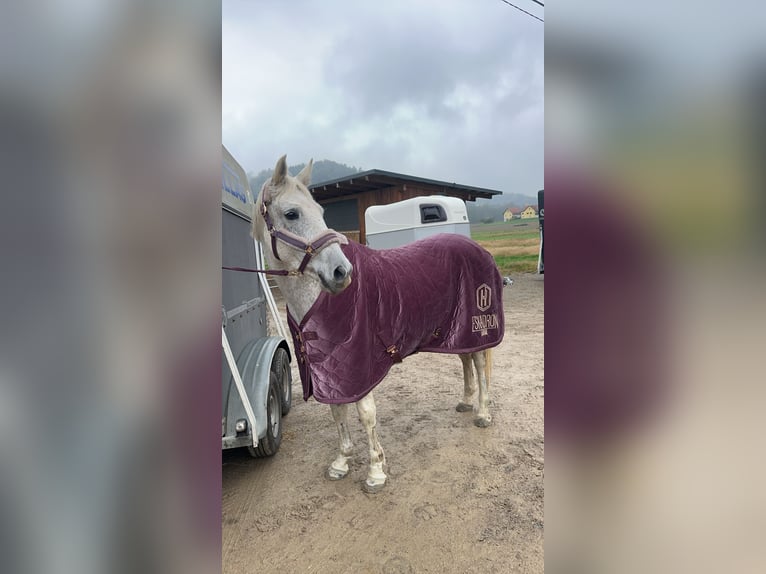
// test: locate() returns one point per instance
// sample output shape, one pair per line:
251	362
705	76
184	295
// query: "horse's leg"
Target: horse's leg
482	362
469	385
376	478
339	467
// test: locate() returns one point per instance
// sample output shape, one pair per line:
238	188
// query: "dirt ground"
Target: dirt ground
458	498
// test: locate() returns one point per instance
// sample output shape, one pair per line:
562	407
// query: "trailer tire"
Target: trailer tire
269	444
280	366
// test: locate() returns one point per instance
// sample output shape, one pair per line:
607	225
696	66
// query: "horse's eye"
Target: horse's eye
292	214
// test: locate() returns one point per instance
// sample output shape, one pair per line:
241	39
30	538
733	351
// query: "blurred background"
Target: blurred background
110	291
656	300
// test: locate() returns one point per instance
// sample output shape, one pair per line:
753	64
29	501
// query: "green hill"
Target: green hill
323	170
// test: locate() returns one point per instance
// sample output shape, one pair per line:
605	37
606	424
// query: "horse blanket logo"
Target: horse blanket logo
483	323
483	297
442	294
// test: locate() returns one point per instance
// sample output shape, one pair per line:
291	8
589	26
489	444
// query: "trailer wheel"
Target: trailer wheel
269	444
280	366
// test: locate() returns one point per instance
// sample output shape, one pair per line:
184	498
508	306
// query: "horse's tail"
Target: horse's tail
488	366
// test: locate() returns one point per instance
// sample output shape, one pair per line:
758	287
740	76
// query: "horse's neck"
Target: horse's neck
300	293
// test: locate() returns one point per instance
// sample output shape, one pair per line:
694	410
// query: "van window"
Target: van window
430	213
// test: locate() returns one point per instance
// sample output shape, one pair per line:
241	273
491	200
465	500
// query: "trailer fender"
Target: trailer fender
254	363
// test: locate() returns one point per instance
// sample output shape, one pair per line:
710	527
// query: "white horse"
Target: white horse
286	215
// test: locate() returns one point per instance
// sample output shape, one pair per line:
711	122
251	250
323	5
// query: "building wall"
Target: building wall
528	213
342	215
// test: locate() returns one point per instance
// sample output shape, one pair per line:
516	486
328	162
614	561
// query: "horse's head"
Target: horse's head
286	205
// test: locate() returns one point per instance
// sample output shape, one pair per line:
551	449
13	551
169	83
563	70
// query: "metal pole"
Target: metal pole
267	292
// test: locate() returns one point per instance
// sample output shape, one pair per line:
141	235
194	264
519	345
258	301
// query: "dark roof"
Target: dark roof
375	179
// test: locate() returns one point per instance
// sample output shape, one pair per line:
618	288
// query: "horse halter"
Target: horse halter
310	248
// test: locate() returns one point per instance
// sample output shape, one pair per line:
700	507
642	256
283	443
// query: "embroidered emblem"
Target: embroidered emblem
483	297
482	323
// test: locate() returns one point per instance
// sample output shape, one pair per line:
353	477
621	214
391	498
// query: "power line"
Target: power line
538	2
522	9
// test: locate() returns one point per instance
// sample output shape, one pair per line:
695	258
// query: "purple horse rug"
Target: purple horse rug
442	294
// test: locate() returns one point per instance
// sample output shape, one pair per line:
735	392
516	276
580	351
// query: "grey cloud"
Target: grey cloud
407	63
439	89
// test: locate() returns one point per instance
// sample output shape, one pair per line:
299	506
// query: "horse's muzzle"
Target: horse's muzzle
341	278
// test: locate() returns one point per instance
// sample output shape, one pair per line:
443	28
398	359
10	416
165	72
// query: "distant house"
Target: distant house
511	213
529	212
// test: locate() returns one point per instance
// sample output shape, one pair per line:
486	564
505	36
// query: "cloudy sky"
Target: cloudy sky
448	89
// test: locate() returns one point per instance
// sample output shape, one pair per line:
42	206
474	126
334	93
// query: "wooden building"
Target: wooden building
346	199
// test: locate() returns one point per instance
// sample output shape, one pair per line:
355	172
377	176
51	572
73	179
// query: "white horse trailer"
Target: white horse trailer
256	378
406	221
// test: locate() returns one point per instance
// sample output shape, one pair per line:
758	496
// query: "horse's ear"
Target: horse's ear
280	172
305	175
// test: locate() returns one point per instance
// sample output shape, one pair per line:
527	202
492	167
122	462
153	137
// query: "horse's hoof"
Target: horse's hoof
334	474
372	488
482	423
463	407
